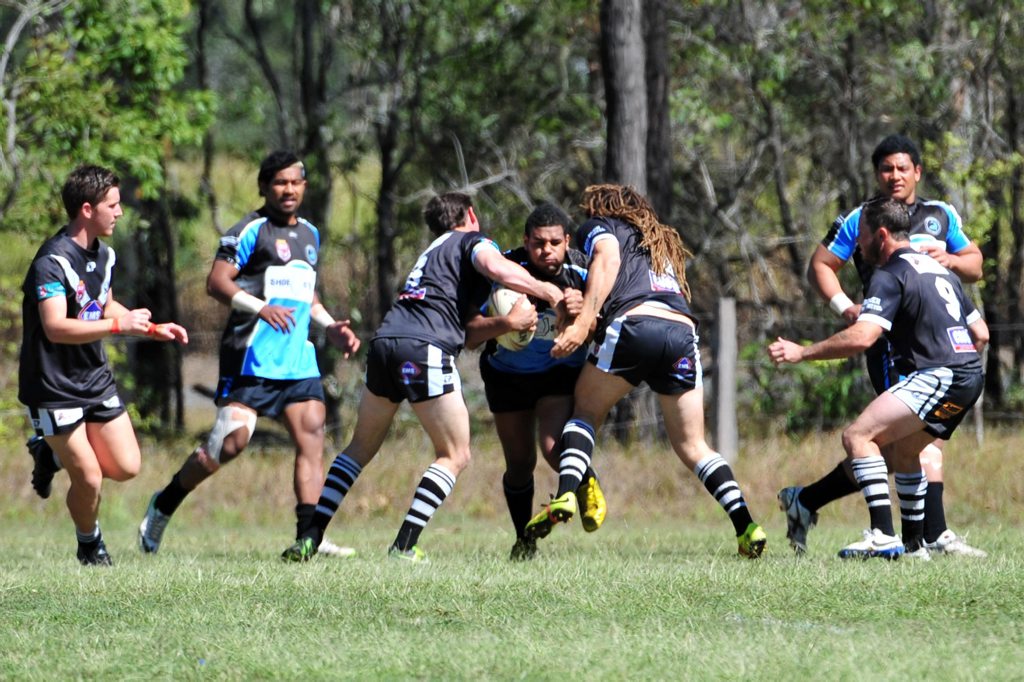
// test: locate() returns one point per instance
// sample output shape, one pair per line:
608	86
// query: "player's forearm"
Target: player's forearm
847	343
482	329
967	265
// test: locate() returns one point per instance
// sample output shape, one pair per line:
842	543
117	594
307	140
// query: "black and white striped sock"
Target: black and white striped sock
911	489
716	475
435	486
873	478
576	446
343	473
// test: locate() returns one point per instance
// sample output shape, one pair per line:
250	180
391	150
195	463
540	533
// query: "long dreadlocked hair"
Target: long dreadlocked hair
660	240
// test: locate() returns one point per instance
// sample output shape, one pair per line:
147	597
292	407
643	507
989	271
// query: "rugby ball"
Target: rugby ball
501	303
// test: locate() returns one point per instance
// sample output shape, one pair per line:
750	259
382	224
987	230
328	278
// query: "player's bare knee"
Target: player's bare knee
456	461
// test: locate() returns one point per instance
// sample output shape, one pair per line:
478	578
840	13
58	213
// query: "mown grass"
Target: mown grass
658	593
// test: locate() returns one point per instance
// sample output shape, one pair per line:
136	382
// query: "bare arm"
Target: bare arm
965	264
482	328
117	319
822	275
494	266
979	332
601	274
844	344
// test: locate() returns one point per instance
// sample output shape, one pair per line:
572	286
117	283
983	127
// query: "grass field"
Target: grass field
658	593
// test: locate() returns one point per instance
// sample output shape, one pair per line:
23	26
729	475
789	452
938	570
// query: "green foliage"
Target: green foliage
812	396
106	89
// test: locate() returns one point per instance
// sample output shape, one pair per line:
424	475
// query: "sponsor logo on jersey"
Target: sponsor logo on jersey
91	312
948	410
311	254
961	340
416	294
932	226
284	252
80	294
665	282
49	290
90	266
874	304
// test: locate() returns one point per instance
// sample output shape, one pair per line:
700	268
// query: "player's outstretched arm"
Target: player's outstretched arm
483	328
822	275
494	266
844	344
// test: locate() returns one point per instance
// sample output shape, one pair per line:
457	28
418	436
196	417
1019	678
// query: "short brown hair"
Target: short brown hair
86	185
446	211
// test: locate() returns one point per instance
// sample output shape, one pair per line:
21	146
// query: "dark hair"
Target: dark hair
86	185
276	161
891	214
547	214
895	144
446	211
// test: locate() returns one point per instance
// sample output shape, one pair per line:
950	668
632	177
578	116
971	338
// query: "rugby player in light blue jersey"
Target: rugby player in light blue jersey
265	271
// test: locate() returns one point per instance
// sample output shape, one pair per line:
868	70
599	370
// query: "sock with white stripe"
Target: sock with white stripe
343	473
576	446
911	489
435	486
716	475
89	539
873	478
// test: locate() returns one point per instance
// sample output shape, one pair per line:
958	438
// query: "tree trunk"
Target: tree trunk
659	129
622	58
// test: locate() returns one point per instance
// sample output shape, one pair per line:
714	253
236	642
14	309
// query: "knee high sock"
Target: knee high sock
716	475
435	486
911	489
170	498
576	446
829	488
934	511
343	473
873	478
520	504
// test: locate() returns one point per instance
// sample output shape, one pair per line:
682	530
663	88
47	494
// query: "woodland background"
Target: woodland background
749	124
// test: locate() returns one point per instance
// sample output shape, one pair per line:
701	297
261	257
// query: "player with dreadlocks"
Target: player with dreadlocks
636	295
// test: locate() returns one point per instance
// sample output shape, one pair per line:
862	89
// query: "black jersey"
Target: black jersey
636	282
924	312
276	263
55	375
536	357
439	293
931	223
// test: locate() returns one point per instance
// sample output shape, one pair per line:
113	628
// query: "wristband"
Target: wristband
115	326
248	303
151	329
839	303
319	314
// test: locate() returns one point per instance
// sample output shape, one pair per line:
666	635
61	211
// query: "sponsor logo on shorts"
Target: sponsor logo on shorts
409	369
112	401
311	254
284	252
948	410
69	415
682	366
961	340
93	311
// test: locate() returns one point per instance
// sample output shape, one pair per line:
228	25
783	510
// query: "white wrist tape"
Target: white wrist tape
839	303
246	302
319	314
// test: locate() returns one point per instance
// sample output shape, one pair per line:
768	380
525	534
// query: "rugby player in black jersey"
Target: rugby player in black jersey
935	229
64	378
412	357
636	280
528	391
935	332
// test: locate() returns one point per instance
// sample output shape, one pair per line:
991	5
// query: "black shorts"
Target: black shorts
881	369
268	397
660	352
53	421
940	396
510	392
409	369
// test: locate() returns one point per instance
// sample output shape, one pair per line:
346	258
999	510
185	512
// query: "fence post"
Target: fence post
726	359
